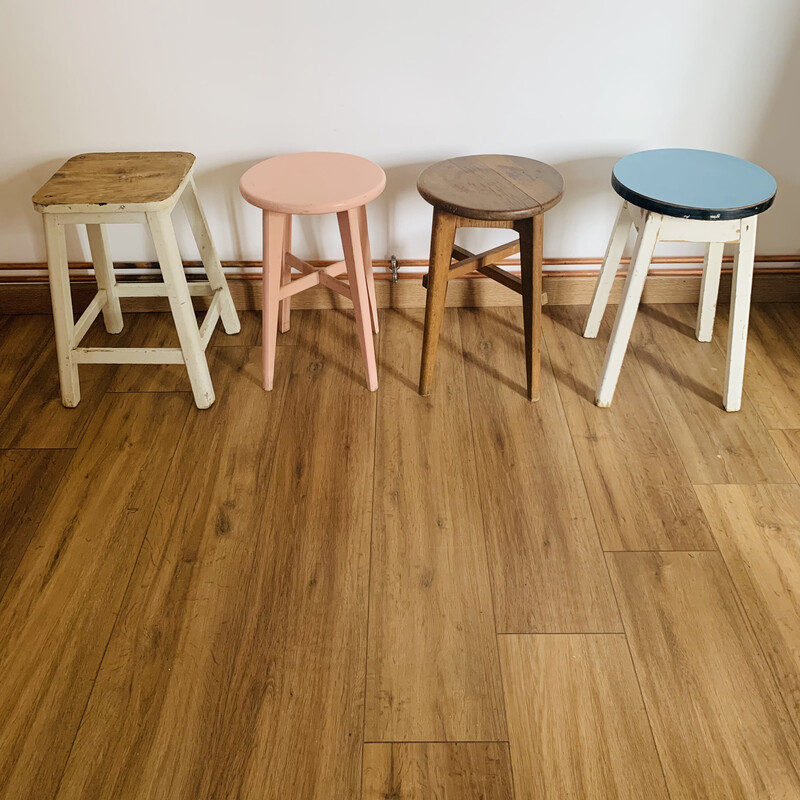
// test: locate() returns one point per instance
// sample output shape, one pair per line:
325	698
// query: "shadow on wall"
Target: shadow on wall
776	149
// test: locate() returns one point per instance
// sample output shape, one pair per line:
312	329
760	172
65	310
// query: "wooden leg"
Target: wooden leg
286	275
531	233
739	315
209	257
104	273
366	250
608	271
709	289
180	302
632	293
443	235
350	229
63	319
274	230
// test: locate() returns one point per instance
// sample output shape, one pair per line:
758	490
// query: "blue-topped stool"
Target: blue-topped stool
683	196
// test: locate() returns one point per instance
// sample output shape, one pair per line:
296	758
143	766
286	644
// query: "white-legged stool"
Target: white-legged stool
96	189
683	196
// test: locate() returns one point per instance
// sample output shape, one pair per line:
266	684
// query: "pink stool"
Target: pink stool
315	183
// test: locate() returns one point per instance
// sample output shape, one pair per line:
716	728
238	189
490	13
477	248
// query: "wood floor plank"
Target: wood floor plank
720	725
686	378
22	338
548	573
28	479
576	721
250	334
437	771
772	371
432	670
788	443
179	655
34	417
758	530
638	487
58	611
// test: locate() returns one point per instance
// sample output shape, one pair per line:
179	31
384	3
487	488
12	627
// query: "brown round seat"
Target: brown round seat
491	187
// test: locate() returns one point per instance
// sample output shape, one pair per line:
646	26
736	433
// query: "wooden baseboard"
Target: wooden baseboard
771	284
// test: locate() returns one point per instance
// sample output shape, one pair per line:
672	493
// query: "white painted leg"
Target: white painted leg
740	315
63	318
104	273
709	289
209	257
632	293
169	257
608	271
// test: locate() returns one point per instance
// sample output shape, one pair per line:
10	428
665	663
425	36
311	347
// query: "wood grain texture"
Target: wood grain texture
437	771
758	530
179	663
639	490
28	479
772	371
115	178
720	725
59	609
788	443
576	720
491	187
34	416
22	338
685	377
548	574
250	334
430	598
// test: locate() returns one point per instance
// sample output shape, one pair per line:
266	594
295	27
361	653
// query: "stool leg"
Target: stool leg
273	255
709	289
106	280
443	235
209	257
180	302
286	274
632	293
602	289
367	251
739	316
63	319
531	234
350	229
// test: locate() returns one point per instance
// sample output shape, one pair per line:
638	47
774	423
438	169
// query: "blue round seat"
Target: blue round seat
694	184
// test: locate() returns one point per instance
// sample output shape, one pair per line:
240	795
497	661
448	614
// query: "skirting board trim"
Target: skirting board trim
671	280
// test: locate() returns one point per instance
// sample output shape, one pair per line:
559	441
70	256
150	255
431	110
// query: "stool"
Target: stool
95	189
487	191
683	196
315	183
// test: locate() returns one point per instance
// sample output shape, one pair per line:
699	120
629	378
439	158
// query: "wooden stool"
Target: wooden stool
491	191
683	196
99	188
315	183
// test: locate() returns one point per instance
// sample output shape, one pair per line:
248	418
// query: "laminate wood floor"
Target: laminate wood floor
321	593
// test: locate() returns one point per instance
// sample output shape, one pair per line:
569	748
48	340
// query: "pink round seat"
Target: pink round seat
312	183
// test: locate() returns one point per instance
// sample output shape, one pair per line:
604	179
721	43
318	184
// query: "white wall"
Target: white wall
577	83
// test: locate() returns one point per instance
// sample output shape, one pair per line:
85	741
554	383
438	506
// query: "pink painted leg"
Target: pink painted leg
350	228
365	249
286	274
274	228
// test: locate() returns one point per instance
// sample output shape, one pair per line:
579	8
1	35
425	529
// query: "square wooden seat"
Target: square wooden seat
98	188
114	180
